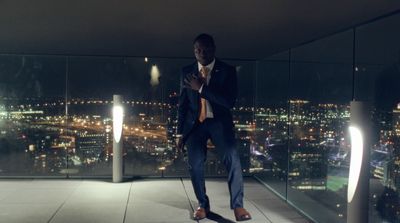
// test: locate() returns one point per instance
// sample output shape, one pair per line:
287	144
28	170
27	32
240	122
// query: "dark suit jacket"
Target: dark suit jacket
221	92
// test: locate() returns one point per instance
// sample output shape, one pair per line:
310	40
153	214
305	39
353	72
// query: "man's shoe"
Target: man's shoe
200	213
241	214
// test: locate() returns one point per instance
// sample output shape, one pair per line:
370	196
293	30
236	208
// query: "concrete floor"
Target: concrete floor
145	200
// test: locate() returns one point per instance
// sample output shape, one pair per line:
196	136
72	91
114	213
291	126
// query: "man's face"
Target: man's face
204	53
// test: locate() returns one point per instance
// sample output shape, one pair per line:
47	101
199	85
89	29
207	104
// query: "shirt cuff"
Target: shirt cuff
201	88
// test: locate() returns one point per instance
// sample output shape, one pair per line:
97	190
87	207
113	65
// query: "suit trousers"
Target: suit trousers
223	138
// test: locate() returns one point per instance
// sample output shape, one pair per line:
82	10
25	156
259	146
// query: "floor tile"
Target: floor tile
167	211
26	213
156	190
54	183
221	212
37	196
100	194
276	210
12	183
90	213
144	200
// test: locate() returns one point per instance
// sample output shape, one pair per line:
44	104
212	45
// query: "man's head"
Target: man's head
204	49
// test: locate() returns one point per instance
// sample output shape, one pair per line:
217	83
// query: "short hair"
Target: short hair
205	38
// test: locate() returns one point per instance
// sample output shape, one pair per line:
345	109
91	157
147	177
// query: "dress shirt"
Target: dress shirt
210	66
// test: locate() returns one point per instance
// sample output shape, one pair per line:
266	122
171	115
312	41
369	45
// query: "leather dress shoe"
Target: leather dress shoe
200	213
241	214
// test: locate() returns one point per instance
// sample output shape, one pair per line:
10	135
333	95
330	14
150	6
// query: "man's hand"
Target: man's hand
193	82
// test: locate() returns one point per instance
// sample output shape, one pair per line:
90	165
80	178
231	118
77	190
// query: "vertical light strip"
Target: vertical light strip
355	161
118	114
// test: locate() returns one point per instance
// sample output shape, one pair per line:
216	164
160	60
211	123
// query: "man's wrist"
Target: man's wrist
178	135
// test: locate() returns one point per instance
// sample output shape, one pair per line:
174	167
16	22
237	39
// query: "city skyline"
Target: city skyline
79	143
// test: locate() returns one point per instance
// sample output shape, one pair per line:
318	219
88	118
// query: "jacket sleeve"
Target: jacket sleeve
224	95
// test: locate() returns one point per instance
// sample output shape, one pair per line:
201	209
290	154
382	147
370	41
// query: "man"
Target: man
208	92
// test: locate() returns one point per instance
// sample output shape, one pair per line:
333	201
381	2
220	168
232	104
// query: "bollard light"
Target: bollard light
118	120
358	186
355	161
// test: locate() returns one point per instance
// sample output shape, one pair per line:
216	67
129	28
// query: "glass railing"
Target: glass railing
302	117
291	118
55	115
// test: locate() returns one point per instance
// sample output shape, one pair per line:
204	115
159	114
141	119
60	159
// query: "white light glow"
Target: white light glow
118	113
355	161
155	76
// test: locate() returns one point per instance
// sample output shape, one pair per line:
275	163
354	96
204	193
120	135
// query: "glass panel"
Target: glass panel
320	93
378	81
269	157
38	139
92	81
32	116
150	88
157	84
243	112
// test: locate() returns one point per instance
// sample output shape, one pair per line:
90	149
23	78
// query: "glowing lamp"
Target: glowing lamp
118	113
355	161
118	118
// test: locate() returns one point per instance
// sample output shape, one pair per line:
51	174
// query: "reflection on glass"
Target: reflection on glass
32	117
319	145
269	157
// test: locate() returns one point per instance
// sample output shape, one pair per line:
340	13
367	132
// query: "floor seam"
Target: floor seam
259	209
187	195
127	202
62	205
58	209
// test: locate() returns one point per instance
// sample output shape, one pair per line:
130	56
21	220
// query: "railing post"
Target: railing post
358	187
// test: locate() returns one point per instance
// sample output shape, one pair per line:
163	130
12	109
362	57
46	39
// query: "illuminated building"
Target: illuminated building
396	120
89	146
308	169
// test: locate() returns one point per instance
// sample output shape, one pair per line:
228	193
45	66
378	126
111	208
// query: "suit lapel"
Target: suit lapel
195	71
216	72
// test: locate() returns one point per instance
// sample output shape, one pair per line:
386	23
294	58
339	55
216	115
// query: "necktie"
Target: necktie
203	105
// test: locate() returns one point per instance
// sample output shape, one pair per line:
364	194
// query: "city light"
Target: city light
355	161
318	135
